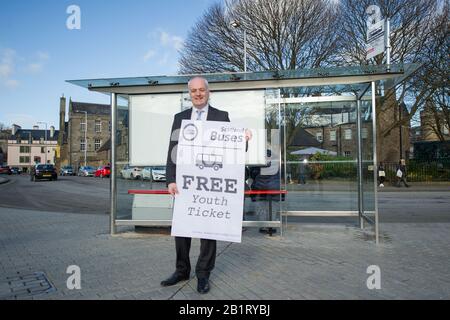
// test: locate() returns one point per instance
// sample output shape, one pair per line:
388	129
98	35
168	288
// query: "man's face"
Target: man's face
199	93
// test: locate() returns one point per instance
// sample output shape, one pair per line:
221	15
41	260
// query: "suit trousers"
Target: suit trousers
206	259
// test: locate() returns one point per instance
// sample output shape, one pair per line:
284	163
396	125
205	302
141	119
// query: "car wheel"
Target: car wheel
201	167
101	175
216	167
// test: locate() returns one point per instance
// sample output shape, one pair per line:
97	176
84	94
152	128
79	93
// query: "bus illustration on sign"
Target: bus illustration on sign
209	160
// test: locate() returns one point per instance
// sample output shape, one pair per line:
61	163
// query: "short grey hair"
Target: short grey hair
204	80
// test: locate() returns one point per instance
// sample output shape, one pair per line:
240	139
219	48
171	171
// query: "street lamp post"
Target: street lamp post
237	24
45	141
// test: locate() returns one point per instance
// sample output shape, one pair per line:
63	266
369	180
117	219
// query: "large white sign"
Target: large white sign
210	181
375	39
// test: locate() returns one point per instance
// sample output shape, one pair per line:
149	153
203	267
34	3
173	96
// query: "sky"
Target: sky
41	47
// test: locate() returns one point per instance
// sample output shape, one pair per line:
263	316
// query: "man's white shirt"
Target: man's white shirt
203	114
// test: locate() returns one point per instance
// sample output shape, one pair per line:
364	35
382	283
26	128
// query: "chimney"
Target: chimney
62	119
52	131
15	128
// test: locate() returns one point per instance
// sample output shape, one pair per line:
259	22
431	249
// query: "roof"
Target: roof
303	138
90	108
354	76
35	134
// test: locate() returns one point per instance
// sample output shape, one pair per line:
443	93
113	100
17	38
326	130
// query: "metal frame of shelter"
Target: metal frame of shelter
359	80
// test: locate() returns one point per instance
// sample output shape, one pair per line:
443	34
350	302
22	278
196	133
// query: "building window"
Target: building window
364	133
348	134
319	136
83	145
42	149
24	159
347	153
37	159
83	126
98	126
333	135
25	149
98	142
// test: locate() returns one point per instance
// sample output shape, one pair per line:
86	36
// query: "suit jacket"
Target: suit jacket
213	115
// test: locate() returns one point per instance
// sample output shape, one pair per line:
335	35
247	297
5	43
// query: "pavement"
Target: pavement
309	261
3	180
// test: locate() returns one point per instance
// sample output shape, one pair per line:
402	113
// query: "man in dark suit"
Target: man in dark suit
201	110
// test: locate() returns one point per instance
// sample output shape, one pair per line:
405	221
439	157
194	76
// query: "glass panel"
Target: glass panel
321	154
368	166
124	200
267	207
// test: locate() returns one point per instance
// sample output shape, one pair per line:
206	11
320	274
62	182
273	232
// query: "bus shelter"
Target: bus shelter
313	151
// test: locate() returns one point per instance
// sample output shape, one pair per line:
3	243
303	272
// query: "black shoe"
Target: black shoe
174	279
203	285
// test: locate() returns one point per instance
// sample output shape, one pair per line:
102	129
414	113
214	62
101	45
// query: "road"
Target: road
91	195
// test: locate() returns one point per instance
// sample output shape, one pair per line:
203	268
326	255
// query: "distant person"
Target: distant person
302	171
381	174
401	173
266	178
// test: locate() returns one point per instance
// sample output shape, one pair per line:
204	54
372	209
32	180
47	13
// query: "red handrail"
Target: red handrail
249	192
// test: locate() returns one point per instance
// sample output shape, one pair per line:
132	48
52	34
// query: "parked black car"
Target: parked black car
43	171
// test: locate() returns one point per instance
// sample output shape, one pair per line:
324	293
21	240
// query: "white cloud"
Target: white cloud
150	54
43	56
11	83
38	66
164	49
7	59
35	67
168	40
164	59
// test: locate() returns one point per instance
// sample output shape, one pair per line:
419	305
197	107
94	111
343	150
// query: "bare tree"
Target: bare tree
417	27
438	66
285	34
295	34
281	35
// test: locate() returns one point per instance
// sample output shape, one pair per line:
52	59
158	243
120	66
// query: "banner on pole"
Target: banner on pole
210	181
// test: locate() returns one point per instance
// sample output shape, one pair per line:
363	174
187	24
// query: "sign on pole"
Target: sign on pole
375	39
210	181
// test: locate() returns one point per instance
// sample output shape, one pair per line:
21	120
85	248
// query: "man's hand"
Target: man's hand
248	135
172	188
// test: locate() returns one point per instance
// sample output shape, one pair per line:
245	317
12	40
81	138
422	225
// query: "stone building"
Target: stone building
87	129
342	139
